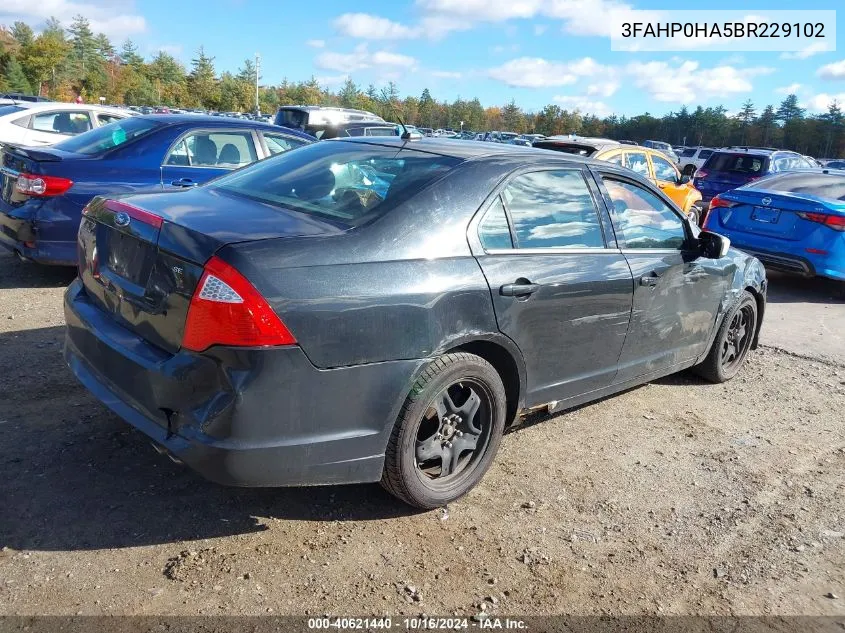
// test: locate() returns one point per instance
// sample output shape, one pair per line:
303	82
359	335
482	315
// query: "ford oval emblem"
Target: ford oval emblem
121	219
766	201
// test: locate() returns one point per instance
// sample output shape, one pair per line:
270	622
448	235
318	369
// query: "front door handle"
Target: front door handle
649	280
184	182
518	289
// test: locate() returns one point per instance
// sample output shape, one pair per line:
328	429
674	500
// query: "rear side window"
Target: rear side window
688	152
829	186
705	154
278	143
736	163
637	161
225	150
663	169
345	181
108	137
553	209
493	231
105	119
63	122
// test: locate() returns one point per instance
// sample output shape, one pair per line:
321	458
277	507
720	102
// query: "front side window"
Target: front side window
278	143
642	218
663	169
225	150
553	209
493	231
65	122
637	162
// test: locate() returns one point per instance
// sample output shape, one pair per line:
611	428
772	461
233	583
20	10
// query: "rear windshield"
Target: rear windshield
108	136
10	109
296	119
736	163
567	148
350	182
829	186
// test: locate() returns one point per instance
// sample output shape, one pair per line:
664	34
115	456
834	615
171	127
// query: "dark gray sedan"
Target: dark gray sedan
382	309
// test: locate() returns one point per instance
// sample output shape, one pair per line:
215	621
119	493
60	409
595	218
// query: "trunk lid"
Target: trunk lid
769	214
141	257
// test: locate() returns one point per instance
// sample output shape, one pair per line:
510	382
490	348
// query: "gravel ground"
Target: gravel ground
677	497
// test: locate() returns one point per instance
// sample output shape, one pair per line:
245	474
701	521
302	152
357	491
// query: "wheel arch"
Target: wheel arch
507	360
761	309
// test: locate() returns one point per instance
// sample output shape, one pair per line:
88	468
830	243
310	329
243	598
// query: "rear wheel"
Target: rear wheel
447	433
732	342
694	214
689	170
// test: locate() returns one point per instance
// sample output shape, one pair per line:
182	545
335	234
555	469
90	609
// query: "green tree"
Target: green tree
129	55
15	79
349	94
105	49
426	108
789	109
82	44
202	80
23	34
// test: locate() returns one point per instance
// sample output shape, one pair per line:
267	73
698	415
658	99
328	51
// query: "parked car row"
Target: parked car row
215	287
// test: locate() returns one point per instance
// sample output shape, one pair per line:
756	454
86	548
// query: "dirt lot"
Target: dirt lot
676	497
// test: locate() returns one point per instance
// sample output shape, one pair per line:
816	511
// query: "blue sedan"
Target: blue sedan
43	190
793	221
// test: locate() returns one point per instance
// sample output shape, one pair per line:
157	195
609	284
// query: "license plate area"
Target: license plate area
765	215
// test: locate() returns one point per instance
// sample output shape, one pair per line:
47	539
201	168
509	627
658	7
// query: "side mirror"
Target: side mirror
684	179
713	245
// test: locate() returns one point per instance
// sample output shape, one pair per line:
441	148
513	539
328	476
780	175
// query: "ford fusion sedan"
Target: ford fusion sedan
365	310
43	190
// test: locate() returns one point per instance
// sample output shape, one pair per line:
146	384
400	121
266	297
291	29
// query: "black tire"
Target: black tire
689	170
732	342
411	464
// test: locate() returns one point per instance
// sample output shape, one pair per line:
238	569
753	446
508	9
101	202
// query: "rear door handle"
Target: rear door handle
518	289
184	182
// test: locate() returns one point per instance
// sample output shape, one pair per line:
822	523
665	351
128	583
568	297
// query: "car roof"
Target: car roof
205	120
465	149
58	105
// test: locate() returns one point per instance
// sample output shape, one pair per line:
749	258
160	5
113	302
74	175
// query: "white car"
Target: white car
45	123
690	159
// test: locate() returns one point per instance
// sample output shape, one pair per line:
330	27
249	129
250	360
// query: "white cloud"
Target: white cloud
500	48
836	70
361	58
171	49
813	49
115	18
446	74
687	83
584	104
331	81
605	89
791	89
316	43
821	102
536	72
539	29
372	27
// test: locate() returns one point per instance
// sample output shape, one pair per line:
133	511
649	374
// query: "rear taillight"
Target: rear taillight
227	310
721	203
836	222
41	186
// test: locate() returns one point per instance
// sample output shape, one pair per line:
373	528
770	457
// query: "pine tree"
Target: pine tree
16	80
82	43
202	80
129	55
789	109
23	34
349	94
426	108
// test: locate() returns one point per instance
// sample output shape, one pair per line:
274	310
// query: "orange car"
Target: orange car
647	162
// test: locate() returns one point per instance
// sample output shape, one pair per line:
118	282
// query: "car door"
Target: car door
200	155
560	290
47	127
677	293
667	177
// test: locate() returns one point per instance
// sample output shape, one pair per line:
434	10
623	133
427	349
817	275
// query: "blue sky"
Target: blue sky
534	51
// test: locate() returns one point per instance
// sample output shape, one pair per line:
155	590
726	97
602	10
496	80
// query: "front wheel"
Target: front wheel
447	433
732	342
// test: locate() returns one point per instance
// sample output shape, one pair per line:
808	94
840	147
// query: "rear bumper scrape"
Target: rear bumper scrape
242	417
